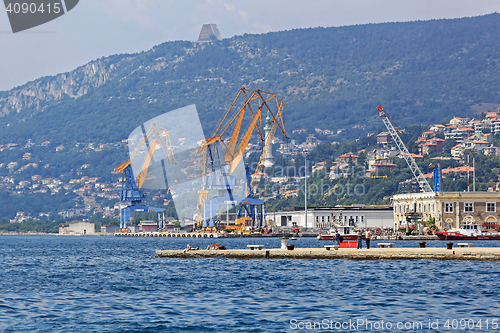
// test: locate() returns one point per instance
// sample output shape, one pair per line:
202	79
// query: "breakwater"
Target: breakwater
466	253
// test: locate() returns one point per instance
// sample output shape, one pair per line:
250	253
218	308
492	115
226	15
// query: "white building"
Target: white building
326	217
77	229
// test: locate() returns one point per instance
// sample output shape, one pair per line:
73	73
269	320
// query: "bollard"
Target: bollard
284	241
449	245
290	247
422	245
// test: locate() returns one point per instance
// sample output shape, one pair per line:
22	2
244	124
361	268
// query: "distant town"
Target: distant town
96	197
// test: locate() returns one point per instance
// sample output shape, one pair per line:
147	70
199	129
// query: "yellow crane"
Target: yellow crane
154	137
252	103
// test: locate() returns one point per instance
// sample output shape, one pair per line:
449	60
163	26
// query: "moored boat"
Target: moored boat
346	233
467	232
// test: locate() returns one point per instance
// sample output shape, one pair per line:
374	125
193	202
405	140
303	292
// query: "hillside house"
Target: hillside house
378	165
434	145
384	137
456	121
348	157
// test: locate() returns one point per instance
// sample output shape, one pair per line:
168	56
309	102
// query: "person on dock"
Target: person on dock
337	237
216	247
360	239
189	248
368	237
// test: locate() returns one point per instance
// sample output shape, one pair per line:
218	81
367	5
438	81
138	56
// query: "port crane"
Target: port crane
221	156
422	182
156	137
253	180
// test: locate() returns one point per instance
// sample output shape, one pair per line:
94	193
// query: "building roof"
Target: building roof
464	168
349	155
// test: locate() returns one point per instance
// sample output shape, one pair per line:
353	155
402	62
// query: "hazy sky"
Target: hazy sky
97	28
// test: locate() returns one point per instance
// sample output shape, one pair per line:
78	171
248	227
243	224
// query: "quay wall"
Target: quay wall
479	253
257	235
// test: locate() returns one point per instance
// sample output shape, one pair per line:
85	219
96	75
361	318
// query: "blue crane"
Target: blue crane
131	192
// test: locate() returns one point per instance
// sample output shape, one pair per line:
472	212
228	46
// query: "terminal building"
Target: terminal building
449	209
327	217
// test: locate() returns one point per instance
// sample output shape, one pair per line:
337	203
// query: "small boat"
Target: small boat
402	226
346	233
467	232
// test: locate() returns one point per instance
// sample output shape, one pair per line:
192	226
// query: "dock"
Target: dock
212	234
466	253
258	235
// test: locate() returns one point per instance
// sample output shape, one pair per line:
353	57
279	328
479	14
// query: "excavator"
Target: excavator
221	156
155	137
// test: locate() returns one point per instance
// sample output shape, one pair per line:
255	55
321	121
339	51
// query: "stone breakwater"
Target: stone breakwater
479	253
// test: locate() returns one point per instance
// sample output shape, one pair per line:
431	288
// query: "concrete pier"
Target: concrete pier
171	234
478	253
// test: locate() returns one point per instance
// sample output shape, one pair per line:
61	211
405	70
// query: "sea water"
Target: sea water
115	284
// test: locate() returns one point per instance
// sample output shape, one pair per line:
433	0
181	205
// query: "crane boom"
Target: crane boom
157	135
422	182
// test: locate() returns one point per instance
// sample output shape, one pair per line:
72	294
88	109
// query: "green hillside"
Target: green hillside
330	78
422	72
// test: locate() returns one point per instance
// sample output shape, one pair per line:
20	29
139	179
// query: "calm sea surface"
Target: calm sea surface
115	284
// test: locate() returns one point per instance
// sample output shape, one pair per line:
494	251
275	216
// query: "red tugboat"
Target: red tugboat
467	232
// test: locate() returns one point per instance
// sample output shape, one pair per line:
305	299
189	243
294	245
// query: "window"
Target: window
448	207
469	207
491	207
322	219
317	218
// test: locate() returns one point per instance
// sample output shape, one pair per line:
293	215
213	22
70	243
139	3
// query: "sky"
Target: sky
100	28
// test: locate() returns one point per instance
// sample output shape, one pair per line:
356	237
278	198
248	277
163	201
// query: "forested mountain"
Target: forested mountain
421	72
70	127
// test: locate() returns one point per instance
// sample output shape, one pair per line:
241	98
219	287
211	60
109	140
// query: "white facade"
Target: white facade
448	209
77	229
326	217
